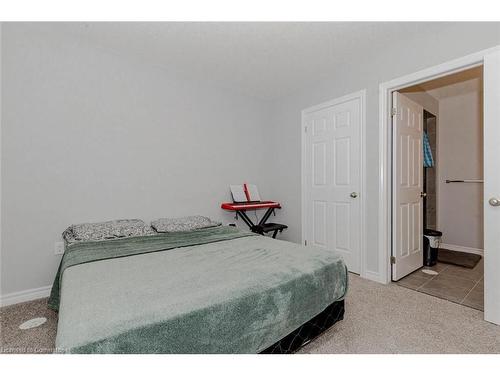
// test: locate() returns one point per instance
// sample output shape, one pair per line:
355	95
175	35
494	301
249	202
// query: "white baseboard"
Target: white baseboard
373	276
464	249
25	295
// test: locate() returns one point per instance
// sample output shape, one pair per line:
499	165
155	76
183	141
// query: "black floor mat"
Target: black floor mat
458	258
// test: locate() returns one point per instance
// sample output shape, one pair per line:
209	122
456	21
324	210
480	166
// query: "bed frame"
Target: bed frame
309	330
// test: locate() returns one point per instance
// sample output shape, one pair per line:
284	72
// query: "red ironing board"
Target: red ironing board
262	227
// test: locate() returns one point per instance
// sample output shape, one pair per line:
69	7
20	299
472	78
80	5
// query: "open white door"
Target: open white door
492	187
332	171
407	237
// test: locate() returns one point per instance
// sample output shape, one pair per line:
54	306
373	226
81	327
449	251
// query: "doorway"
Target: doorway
490	60
448	196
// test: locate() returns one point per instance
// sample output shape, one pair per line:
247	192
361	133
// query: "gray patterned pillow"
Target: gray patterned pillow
106	230
183	224
68	236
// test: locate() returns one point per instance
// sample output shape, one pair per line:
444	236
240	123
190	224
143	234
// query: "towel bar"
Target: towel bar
466	181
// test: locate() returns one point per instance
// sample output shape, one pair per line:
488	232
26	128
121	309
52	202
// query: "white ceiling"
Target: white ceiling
458	88
265	60
466	81
458	84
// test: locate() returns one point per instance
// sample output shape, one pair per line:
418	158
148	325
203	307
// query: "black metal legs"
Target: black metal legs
266	216
256	228
262	227
246	219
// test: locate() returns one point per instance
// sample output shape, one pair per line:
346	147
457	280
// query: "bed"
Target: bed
213	290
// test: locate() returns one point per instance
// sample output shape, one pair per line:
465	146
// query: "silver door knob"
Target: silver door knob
494	202
354	194
423	195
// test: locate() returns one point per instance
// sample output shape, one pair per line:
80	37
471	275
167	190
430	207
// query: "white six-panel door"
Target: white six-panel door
333	179
407	186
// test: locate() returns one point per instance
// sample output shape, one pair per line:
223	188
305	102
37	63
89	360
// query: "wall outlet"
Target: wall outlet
59	248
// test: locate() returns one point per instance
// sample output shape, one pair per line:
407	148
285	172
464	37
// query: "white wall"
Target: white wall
460	145
406	54
90	136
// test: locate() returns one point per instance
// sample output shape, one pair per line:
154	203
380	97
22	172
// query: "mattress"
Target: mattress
240	293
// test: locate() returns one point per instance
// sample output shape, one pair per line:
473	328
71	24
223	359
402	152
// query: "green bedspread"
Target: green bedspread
218	290
92	251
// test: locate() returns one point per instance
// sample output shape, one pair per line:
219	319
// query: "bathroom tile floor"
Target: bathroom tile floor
461	285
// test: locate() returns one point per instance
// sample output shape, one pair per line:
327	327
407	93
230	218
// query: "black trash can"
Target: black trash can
431	246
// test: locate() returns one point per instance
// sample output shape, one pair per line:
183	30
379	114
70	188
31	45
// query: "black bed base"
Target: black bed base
309	330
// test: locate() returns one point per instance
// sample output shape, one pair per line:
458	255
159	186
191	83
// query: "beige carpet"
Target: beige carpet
34	340
379	319
393	319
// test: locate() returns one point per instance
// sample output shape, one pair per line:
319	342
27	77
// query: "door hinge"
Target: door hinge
305	242
393	260
305	129
394	111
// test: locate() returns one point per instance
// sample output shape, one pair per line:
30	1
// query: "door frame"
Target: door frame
361	95
386	146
